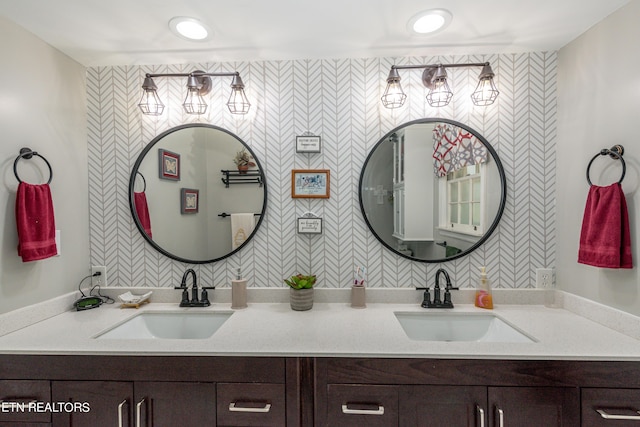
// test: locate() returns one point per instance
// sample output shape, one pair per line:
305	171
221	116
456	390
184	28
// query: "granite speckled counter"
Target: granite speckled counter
333	328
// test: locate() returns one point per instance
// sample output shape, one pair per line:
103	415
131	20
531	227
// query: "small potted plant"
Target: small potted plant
243	160
301	291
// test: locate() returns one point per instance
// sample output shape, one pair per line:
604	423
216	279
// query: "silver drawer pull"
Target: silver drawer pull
379	411
480	415
124	402
138	415
264	409
607	416
500	417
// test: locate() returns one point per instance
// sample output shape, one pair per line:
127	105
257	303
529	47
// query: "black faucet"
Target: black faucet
437	302
202	301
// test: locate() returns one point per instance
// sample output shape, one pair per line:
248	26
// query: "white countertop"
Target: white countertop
328	329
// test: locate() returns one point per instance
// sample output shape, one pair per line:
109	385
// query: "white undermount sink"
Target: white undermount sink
447	326
168	325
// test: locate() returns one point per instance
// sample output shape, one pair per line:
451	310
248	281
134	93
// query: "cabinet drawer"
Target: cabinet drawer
362	405
16	396
608	406
251	404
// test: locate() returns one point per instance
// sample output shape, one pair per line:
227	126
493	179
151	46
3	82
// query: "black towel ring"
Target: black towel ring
144	181
614	152
27	153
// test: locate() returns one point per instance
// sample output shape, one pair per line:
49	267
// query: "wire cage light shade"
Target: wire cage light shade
150	103
434	77
439	91
198	84
393	96
238	102
193	102
486	91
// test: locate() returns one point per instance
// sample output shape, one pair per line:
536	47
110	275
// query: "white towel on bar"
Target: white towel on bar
242	225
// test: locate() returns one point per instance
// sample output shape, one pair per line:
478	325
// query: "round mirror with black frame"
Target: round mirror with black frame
432	190
186	184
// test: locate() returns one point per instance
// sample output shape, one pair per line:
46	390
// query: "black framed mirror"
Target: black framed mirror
432	190
184	187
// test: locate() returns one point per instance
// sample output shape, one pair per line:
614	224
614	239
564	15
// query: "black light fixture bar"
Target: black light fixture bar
418	67
198	84
434	77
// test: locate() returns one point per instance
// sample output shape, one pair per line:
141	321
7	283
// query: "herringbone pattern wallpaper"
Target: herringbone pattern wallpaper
339	100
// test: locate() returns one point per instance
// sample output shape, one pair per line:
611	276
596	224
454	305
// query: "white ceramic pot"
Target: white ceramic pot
301	299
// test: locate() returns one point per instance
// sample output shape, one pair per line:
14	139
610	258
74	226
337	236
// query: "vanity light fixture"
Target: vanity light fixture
150	103
198	84
436	80
393	96
194	102
486	91
238	102
434	77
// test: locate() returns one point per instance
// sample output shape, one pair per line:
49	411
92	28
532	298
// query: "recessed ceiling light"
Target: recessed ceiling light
189	28
429	21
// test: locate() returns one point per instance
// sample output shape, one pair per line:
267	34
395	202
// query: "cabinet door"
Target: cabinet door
96	403
18	400
246	405
443	406
167	404
610	407
534	406
362	405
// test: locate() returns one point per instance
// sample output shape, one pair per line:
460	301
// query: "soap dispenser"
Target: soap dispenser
239	291
483	299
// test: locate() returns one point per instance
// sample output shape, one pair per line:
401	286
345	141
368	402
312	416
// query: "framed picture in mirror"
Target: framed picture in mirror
189	200
310	183
169	166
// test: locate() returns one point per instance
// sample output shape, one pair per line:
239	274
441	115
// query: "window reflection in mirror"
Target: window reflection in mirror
432	190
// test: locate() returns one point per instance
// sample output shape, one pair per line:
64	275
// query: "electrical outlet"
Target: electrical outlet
544	278
100	280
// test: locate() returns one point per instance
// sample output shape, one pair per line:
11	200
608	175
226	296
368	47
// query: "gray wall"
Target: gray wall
598	106
42	106
339	100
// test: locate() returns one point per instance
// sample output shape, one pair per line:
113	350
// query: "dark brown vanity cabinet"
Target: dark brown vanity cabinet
616	407
142	391
158	404
250	405
534	406
495	393
353	405
443	406
451	406
153	391
98	403
17	403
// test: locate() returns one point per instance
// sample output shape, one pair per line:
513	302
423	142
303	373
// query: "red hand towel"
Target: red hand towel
35	221
140	199
605	240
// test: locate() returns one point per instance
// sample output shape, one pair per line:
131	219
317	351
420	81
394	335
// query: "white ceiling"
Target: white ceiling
135	32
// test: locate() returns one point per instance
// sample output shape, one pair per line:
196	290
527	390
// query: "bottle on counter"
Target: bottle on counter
483	298
239	291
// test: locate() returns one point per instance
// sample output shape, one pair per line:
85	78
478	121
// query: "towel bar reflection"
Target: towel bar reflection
224	214
616	152
144	181
28	153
